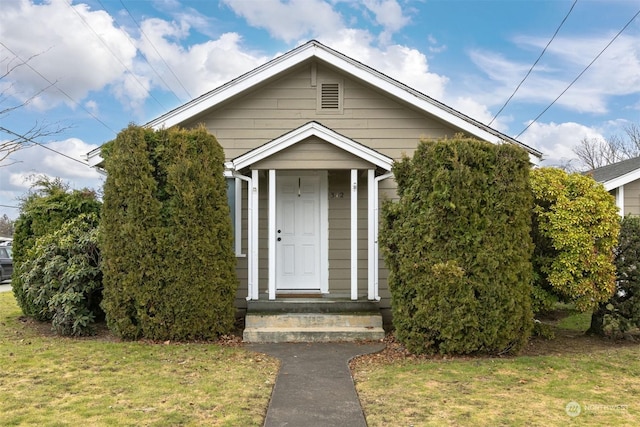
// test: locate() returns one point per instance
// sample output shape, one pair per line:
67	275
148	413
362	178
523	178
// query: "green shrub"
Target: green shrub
575	229
169	268
63	278
46	208
458	248
621	312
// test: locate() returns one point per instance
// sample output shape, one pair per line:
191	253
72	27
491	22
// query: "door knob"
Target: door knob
279	239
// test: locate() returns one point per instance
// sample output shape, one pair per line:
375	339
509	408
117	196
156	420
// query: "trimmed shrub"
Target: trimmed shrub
169	268
621	312
63	277
575	230
458	247
48	206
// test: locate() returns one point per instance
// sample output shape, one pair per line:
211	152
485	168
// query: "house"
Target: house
310	139
622	180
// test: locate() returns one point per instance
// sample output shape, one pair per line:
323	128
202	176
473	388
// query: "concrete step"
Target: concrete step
312	320
312	327
333	334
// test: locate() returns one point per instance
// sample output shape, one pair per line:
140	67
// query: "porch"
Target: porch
308	238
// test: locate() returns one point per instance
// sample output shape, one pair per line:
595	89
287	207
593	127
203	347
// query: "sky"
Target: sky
84	70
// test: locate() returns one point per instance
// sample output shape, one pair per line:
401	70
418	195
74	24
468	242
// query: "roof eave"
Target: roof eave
621	180
349	65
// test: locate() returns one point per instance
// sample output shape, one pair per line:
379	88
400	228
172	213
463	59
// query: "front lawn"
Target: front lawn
50	381
538	388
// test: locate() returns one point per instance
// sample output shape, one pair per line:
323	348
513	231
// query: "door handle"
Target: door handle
279	239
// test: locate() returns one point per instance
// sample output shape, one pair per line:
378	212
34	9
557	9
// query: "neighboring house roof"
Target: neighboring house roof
316	50
617	174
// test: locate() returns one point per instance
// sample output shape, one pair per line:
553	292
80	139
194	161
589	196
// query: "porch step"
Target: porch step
277	326
311	305
276	335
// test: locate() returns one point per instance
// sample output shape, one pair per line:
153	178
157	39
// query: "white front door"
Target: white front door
299	218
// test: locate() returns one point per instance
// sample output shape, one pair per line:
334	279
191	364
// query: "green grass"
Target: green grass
576	321
525	391
602	376
52	381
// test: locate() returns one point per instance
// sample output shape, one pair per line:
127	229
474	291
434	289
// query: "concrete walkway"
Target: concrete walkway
314	386
5	287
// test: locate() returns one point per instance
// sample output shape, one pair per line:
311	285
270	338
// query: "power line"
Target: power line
60	90
143	56
114	55
581	73
159	55
534	64
26	138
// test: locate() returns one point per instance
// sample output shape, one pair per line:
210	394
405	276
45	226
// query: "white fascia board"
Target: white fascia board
622	180
232	88
94	157
306	131
534	160
299	55
392	88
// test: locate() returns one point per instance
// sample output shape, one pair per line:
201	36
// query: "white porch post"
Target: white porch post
272	234
376	208
250	232
254	197
354	234
620	200
371	236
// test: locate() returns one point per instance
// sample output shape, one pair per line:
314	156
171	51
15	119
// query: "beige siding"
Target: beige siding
340	233
367	117
632	198
312	153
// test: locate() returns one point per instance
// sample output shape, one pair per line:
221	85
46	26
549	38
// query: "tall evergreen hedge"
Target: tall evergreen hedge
458	247
168	265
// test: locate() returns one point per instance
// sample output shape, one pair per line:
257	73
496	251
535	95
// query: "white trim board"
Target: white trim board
314	49
304	132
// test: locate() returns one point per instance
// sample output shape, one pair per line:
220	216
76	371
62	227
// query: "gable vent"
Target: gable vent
330	96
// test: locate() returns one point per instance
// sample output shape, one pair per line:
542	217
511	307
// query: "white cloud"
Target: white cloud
63	167
63	46
615	73
389	15
16	178
434	46
405	64
299	19
557	140
289	20
200	67
479	112
23	180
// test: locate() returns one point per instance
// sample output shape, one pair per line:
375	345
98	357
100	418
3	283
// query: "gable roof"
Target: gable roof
304	132
617	174
315	50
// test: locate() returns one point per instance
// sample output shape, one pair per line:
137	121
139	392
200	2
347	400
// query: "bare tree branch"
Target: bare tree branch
17	140
596	152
